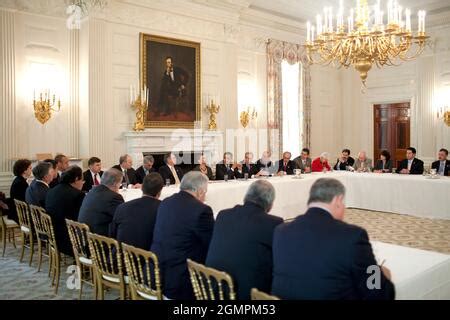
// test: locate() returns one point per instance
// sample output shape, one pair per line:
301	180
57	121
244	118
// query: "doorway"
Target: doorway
392	130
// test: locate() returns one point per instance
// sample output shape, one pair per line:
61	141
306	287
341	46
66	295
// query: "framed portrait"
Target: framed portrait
170	68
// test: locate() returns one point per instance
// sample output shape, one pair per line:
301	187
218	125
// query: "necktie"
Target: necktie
125	175
175	175
96	183
441	168
285	164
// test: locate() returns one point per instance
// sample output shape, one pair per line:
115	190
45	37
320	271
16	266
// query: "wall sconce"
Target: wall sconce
444	113
44	106
247	116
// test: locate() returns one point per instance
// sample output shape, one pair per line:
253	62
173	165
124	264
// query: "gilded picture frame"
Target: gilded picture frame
170	69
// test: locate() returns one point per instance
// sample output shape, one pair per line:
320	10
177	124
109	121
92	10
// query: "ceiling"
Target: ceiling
304	10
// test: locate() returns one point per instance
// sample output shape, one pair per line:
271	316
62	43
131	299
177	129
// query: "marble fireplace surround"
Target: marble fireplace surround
174	140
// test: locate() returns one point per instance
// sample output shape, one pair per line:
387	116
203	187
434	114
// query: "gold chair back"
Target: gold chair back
54	254
143	273
259	295
24	215
78	237
206	282
107	257
36	214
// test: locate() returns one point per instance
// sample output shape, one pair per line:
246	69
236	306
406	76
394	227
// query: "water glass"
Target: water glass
167	182
225	177
124	185
246	176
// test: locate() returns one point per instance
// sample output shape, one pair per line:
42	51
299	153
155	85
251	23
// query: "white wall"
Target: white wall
418	82
95	66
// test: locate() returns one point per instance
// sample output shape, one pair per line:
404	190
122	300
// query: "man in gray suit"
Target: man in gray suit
362	163
303	161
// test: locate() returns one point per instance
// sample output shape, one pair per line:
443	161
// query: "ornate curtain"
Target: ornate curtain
277	51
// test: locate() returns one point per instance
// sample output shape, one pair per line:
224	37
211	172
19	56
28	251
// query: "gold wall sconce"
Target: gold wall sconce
247	116
139	102
444	114
44	106
213	109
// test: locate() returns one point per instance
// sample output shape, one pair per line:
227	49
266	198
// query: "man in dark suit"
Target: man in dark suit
227	167
36	193
62	163
92	176
134	221
99	205
248	166
173	91
170	171
184	226
129	174
145	169
64	202
319	257
344	161
442	165
286	165
410	165
247	255
303	162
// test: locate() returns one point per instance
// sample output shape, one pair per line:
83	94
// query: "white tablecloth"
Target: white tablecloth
416	274
413	195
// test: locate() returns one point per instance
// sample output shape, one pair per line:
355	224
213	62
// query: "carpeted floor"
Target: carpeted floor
19	281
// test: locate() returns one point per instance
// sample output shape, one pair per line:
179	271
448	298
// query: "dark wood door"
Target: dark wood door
392	130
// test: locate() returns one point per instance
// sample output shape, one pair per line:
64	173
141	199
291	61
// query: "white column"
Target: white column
7	98
73	68
425	116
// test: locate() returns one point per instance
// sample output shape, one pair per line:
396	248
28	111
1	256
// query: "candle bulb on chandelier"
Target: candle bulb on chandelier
313	29
319	24
408	20
330	20
308	32
389	11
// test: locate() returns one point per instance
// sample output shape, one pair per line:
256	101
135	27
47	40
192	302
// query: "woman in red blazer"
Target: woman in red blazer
320	164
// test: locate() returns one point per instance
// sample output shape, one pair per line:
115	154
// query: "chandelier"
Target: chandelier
366	40
86	6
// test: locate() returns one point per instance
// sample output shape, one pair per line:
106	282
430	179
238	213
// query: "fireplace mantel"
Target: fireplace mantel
174	140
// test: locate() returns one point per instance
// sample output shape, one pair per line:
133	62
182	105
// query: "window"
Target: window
292	108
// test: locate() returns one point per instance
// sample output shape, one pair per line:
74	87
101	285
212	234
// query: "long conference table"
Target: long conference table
417	274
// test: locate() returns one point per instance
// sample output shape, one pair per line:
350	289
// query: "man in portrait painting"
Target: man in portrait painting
173	97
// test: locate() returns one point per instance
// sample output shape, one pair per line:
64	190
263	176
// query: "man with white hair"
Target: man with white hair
129	174
320	257
320	164
247	255
362	163
183	230
264	166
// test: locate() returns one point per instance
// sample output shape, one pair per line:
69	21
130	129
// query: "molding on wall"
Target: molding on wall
7	90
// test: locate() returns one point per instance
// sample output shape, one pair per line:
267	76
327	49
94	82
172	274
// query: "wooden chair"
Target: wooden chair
78	237
26	228
143	273
108	265
204	288
259	295
7	228
42	235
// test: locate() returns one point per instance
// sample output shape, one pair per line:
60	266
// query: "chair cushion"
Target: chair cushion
85	261
25	229
115	279
10	223
149	297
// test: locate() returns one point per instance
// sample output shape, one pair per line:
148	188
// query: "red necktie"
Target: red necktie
95	180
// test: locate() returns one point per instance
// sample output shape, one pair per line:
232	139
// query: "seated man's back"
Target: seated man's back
242	246
318	257
183	230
